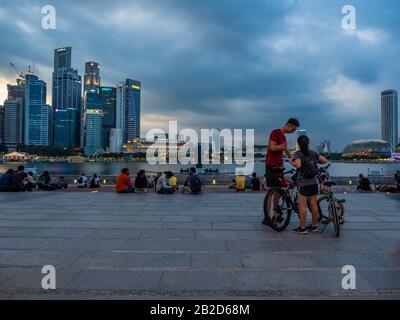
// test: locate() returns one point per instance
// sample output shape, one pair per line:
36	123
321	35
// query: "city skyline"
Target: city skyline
239	66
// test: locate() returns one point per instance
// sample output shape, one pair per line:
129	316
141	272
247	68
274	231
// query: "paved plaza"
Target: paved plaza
105	245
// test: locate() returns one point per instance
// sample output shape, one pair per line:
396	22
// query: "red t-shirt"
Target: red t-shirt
123	182
275	158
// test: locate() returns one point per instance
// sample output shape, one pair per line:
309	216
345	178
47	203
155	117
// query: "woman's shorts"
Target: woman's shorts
309	191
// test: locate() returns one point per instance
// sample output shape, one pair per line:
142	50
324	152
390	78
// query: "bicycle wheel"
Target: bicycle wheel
277	209
340	210
335	218
323	208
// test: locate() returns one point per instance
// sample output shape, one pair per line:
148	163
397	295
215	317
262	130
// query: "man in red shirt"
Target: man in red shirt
277	145
124	183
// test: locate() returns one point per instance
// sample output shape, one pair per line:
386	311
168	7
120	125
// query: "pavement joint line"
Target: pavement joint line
233	269
202	293
244	251
247	251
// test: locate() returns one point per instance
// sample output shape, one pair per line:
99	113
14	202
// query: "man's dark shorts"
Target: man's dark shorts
272	177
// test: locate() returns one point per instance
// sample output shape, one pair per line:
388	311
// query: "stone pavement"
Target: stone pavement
105	245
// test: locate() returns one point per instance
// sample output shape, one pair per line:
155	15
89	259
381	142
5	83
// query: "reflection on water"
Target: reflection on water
338	169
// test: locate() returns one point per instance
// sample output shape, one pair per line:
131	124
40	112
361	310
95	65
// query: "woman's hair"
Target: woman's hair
10	171
304	143
46	173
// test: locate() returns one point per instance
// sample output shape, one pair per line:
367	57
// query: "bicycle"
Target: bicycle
324	200
334	209
284	200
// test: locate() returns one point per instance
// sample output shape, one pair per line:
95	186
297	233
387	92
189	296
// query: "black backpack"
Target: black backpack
196	185
309	167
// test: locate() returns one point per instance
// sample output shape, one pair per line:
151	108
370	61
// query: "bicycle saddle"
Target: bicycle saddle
330	183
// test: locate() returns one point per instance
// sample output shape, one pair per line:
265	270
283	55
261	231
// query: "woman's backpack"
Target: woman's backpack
196	185
309	167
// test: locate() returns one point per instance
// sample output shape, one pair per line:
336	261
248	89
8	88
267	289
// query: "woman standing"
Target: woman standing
306	161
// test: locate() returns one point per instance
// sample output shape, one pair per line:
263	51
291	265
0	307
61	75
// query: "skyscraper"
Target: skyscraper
37	113
108	98
390	117
65	128
16	91
62	58
13	123
1	124
67	89
132	109
92	76
93	141
67	93
120	107
104	99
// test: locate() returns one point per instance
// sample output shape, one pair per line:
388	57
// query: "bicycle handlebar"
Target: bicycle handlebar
289	172
324	168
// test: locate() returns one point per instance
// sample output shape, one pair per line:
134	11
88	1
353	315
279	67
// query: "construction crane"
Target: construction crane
22	74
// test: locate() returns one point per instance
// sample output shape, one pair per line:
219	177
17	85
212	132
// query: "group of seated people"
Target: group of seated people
19	180
164	183
364	184
392	188
93	182
241	183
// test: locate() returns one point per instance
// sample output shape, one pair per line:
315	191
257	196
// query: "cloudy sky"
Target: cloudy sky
224	63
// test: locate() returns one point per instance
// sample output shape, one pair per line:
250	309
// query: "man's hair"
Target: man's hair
192	170
169	174
294	122
21	168
125	170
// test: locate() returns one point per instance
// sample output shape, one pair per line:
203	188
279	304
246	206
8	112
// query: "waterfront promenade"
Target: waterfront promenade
138	246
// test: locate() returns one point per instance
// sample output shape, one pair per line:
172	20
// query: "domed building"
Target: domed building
368	149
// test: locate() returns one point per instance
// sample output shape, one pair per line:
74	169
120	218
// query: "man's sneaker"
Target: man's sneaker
312	229
265	222
300	230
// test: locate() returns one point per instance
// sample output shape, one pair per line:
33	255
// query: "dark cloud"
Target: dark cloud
225	63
